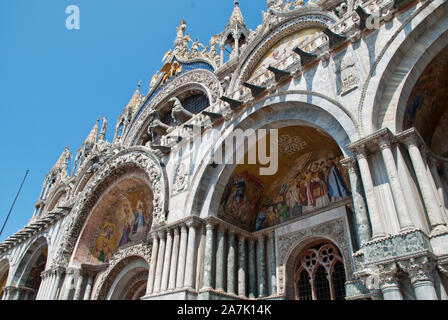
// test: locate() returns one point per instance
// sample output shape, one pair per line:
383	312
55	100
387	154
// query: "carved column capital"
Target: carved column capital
418	269
388	275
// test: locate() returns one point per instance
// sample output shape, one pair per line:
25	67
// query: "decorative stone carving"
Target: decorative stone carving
418	269
334	230
181	177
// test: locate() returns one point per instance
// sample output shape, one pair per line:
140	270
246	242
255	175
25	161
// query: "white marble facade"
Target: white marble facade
351	79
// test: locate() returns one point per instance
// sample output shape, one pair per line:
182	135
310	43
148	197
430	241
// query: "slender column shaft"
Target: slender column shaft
432	208
404	217
438	183
242	266
88	287
174	258
375	214
209	255
272	265
231	263
261	267
160	260
54	294
53	285
77	295
183	251
252	272
68	286
166	264
152	267
361	217
190	267
220	260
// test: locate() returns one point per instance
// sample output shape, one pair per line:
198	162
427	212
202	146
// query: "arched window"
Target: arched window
320	273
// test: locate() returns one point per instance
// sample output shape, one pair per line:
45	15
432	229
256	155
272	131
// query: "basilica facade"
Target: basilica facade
352	94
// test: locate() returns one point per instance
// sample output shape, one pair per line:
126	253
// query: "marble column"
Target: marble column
153	264
220	259
182	255
438	182
241	266
222	48
404	218
52	285
252	272
420	273
272	283
435	215
160	260
209	255
58	275
43	286
231	262
17	294
77	295
68	285
389	283
174	258
361	217
166	263
88	287
261	267
190	267
376	219
445	172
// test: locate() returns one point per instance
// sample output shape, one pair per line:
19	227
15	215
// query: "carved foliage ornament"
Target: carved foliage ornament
136	157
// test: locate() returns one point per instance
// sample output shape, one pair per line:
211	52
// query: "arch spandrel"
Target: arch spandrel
133	159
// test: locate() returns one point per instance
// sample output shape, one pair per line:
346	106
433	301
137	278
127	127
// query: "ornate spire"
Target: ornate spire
62	161
136	99
237	16
92	137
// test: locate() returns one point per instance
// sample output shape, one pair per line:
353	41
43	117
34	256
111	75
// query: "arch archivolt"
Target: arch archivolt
135	158
120	260
199	79
27	259
309	17
281	110
406	50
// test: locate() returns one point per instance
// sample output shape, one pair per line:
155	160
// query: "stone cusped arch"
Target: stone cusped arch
199	79
398	66
121	259
135	158
280	110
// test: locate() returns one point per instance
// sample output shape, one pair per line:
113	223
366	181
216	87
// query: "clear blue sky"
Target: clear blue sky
55	83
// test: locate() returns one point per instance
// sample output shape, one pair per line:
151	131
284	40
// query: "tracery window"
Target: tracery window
320	274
